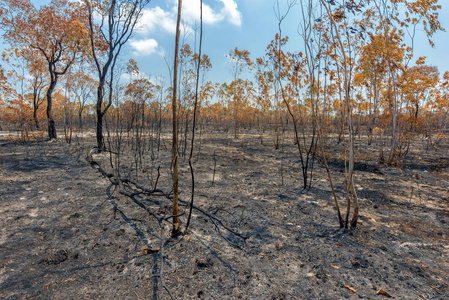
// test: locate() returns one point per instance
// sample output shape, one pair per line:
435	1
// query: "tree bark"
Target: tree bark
347	86
51	122
80	120
176	228
36	121
192	173
100	140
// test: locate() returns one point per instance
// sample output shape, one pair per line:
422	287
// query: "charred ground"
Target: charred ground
67	234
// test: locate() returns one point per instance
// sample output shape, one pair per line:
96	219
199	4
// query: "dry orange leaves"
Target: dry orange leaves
382	292
350	288
148	251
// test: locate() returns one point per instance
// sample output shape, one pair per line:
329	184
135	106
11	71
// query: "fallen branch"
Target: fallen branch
216	219
154	192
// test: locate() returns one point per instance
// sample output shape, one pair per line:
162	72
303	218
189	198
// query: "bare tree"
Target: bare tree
38	83
350	189
117	20
194	113
175	125
83	87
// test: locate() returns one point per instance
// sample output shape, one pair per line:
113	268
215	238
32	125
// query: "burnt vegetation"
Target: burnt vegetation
319	173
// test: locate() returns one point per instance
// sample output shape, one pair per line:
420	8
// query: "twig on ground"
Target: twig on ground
216	219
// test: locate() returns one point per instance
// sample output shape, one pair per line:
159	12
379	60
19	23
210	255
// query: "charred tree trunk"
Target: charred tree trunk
36	121
51	122
80	120
38	86
100	114
100	139
176	227
350	189
195	107
121	21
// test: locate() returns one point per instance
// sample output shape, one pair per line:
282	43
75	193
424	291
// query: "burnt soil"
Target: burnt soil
67	234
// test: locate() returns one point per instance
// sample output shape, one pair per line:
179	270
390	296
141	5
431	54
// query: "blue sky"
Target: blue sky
246	24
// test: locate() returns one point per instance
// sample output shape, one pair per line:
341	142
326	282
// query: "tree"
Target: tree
38	81
83	86
394	19
55	30
4	85
188	64
346	63
372	68
198	65
16	81
417	83
27	76
239	89
140	92
111	24
264	80
176	227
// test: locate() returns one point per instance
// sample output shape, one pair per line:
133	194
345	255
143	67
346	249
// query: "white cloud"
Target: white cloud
191	12
228	11
155	18
144	47
158	19
231	12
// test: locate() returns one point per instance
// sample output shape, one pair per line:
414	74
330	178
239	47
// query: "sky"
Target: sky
246	24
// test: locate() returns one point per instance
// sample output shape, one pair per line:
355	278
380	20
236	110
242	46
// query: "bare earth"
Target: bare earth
67	234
